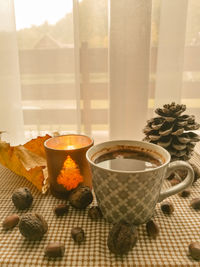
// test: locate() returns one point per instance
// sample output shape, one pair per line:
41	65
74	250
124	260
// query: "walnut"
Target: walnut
33	226
81	197
122	237
22	198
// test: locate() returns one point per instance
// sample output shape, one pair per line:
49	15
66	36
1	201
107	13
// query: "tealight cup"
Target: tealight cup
67	164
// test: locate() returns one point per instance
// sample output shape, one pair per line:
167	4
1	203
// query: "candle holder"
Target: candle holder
67	164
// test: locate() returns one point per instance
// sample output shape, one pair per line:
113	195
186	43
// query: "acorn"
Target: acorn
195	203
167	207
194	249
152	229
55	250
61	209
185	193
10	221
78	235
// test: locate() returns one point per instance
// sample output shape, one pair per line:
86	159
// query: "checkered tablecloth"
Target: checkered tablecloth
169	249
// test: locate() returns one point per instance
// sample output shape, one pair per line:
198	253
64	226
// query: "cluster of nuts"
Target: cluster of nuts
167	208
122	236
33	226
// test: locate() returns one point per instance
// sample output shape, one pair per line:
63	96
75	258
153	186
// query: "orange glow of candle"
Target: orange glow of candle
70	147
69	176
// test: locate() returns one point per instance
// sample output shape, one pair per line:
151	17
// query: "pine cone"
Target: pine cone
171	130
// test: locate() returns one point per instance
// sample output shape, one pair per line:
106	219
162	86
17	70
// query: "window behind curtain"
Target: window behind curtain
47	58
190	91
191	74
47	65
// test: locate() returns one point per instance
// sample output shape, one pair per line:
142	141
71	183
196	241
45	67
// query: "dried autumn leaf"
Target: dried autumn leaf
37	145
27	161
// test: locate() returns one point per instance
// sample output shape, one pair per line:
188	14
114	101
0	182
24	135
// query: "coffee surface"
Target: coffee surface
128	160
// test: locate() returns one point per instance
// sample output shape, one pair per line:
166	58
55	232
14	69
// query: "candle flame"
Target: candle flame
69	176
69	147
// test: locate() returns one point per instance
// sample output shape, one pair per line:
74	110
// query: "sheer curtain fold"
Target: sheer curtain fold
129	62
11	117
171	45
76	32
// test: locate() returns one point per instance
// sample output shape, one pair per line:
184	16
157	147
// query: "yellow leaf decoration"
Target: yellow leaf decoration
28	161
37	145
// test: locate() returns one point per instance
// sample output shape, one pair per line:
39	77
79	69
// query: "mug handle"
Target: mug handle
181	186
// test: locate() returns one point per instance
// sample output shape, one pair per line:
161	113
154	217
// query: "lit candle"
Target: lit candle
67	163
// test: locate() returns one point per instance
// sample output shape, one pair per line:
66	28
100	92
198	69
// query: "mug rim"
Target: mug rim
164	152
83	147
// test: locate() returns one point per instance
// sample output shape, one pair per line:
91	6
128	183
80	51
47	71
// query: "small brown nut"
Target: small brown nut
61	209
55	250
122	238
185	193
95	213
174	181
167	208
10	221
81	197
22	198
194	249
78	234
33	226
172	175
195	203
152	229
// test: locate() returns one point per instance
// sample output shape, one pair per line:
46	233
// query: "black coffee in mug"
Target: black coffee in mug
128	160
132	195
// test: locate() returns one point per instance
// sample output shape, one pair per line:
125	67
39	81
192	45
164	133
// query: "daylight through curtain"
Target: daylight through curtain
97	67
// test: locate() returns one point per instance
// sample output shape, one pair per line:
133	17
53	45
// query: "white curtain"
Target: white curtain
178	46
99	69
172	31
11	117
129	57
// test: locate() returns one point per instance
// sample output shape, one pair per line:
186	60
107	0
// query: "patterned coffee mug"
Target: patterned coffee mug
133	195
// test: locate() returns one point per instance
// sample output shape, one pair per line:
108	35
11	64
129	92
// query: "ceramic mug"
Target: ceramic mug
133	195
